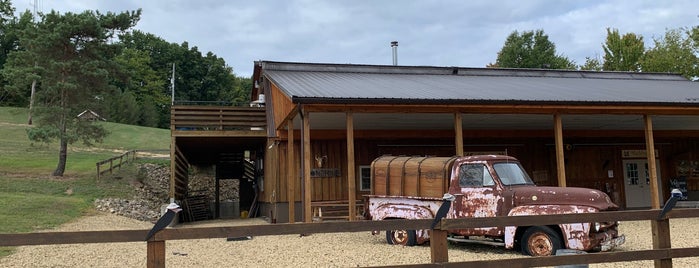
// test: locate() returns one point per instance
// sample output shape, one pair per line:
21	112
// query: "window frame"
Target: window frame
361	177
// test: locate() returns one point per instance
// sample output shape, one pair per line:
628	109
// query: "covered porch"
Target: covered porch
323	138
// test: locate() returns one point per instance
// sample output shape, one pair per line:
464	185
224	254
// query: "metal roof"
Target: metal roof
357	84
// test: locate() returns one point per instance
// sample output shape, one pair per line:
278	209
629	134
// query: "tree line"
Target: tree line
105	65
63	64
675	52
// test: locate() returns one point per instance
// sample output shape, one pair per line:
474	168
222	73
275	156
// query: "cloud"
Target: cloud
439	33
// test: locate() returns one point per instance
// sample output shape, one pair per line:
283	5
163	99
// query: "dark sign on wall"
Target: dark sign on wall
681	184
325	172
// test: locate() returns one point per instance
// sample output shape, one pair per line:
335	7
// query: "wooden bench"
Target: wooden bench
335	210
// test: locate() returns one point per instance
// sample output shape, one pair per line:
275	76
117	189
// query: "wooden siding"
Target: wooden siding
281	107
587	159
322	188
180	174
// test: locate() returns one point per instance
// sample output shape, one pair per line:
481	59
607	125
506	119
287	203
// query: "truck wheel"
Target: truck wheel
401	237
540	241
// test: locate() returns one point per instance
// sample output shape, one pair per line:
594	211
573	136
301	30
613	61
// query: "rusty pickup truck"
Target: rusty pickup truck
485	186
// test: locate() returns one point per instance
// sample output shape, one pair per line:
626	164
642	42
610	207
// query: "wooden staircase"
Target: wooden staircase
196	208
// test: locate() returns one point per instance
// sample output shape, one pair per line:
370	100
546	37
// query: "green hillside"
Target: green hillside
31	199
19	155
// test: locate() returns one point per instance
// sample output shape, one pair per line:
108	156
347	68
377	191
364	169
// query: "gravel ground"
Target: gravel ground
317	250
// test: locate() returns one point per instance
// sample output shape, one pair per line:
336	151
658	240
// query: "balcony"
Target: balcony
199	120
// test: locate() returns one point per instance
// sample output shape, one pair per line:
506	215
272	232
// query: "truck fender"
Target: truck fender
575	235
402	211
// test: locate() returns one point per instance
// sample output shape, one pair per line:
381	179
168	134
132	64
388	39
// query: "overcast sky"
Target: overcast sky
434	33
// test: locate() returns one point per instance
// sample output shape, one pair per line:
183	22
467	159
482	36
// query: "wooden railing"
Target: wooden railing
203	118
115	162
661	251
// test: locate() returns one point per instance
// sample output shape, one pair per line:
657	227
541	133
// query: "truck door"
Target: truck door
479	196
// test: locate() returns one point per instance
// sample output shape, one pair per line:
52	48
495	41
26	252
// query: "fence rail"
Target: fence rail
125	158
113	163
661	253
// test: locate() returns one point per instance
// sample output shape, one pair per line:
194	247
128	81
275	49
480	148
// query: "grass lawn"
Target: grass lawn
31	199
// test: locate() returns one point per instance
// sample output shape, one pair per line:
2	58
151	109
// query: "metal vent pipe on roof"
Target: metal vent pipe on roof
394	47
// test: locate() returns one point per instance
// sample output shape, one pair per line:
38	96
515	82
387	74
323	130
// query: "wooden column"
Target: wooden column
307	213
290	174
560	159
661	228
351	188
652	170
459	134
155	256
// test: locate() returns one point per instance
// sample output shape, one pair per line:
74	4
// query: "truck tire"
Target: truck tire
401	237
540	241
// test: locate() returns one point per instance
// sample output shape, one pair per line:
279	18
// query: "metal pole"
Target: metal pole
172	84
394	46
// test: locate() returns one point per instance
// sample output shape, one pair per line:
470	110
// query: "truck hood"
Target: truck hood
528	195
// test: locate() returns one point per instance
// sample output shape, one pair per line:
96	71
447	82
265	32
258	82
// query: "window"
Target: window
364	178
512	174
632	173
475	175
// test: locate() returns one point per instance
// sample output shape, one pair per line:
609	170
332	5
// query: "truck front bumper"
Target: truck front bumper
610	244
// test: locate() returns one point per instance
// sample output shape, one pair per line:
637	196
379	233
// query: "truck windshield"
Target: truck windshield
512	174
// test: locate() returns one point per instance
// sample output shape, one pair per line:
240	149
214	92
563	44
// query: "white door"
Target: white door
637	182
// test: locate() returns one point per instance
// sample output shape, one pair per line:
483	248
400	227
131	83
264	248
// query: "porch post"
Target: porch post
173	167
351	189
650	155
560	160
290	174
459	134
660	229
307	213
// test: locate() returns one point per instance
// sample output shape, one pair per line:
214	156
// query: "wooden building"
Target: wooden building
631	135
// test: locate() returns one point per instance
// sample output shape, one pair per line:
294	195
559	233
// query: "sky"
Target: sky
429	33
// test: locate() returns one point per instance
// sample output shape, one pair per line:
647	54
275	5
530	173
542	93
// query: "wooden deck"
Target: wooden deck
200	134
189	119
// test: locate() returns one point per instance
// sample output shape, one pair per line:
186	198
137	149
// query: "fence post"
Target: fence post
98	171
111	165
438	246
156	254
661	240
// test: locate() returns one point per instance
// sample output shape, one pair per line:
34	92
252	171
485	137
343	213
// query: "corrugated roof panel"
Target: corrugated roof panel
483	85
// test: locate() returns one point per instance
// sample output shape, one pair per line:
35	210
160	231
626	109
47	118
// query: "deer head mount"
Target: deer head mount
320	159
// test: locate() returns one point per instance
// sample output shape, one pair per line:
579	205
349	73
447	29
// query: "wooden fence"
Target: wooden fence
662	252
113	163
126	157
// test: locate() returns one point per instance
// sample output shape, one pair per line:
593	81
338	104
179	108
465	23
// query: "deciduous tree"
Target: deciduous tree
531	49
673	53
71	56
622	53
